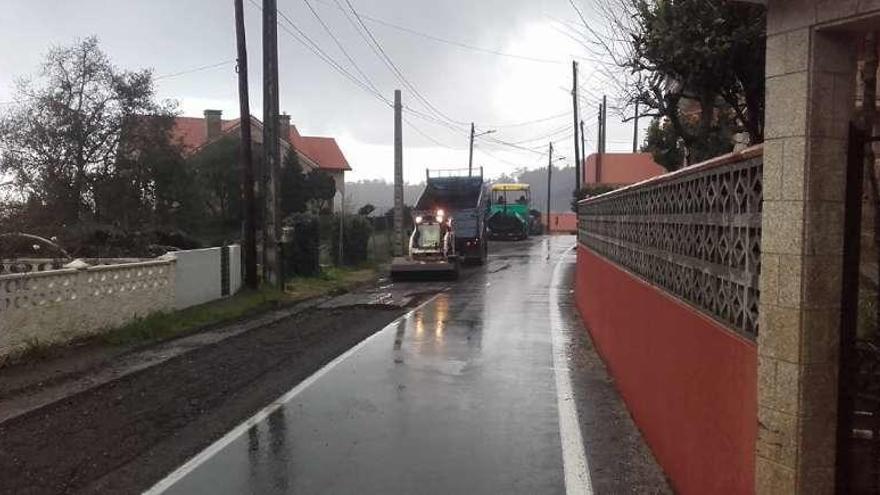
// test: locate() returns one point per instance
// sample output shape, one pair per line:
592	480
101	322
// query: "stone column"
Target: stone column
810	97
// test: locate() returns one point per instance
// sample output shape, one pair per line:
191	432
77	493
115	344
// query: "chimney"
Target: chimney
284	126
213	123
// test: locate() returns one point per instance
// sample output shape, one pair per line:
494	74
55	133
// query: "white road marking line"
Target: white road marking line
264	413
574	459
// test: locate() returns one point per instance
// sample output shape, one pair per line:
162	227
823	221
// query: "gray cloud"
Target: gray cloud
173	36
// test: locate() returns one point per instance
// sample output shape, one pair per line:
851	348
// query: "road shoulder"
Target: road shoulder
620	461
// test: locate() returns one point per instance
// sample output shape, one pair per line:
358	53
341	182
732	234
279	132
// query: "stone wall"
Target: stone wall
62	305
694	233
667	285
51	305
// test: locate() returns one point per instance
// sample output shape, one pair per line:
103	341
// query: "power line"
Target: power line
391	65
302	38
341	48
535	121
459	44
195	69
310	44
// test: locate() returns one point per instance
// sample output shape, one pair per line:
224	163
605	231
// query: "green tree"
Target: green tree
294	191
321	189
366	210
216	171
696	65
64	137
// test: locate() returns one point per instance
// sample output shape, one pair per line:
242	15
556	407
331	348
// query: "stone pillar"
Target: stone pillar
810	98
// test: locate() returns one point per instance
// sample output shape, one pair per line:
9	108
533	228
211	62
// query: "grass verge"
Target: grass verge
332	280
161	326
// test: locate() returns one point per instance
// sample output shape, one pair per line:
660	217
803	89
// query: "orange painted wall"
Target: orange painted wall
689	383
563	222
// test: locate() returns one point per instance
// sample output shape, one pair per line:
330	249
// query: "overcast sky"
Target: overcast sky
462	85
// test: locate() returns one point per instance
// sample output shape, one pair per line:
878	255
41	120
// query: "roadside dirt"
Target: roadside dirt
124	436
619	459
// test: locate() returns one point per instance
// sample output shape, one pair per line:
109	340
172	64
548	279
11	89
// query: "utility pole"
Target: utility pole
271	146
247	162
574	103
604	121
471	152
341	224
398	176
636	130
599	148
581	166
549	174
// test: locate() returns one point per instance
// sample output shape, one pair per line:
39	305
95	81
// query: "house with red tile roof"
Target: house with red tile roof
314	152
620	169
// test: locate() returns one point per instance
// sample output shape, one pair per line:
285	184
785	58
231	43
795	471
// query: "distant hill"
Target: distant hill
381	194
378	193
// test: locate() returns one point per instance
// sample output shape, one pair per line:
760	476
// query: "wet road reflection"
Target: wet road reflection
458	397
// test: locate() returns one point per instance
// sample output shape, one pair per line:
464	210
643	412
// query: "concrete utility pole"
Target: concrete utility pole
574	103
581	166
604	121
341	224
636	130
599	148
471	152
271	147
398	176
247	163
549	173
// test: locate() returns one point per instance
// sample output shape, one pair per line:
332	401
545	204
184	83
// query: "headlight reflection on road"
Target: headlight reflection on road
440	316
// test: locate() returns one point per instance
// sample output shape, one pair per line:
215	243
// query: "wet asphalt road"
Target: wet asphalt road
457	397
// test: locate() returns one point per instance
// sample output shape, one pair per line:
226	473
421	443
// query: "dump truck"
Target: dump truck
509	214
449	225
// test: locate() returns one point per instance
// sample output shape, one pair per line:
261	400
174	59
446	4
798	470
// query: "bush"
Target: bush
589	191
355	239
301	252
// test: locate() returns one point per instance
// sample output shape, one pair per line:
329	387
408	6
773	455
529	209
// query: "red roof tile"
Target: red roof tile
193	133
324	151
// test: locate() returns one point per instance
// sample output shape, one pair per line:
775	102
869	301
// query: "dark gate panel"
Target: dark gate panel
858	453
224	271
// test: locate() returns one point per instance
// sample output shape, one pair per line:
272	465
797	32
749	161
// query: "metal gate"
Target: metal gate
858	434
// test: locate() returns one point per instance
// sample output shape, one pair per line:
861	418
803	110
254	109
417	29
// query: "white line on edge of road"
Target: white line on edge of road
264	413
574	458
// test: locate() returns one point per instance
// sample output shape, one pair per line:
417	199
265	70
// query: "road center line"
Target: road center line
574	459
264	413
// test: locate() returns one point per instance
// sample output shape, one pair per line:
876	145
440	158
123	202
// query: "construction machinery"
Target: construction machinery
510	214
449	225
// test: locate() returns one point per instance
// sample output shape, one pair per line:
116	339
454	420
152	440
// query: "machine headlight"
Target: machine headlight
419	219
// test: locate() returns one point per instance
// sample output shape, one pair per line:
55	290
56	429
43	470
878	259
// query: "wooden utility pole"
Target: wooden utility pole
271	147
471	152
398	176
574	103
549	174
636	130
247	162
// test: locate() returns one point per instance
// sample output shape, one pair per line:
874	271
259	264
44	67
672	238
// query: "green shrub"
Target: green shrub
301	252
355	239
